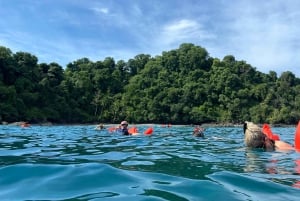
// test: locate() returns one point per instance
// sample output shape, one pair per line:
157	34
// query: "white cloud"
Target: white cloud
266	35
180	26
182	31
263	33
101	10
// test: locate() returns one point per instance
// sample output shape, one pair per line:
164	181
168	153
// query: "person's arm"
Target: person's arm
283	145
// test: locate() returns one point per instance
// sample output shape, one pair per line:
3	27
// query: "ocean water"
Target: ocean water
81	163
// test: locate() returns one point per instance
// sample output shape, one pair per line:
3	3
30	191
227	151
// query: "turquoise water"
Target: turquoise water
80	163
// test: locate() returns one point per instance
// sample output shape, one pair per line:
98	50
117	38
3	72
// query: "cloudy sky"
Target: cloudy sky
265	34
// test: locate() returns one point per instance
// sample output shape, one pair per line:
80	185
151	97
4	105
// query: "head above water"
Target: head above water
124	123
255	138
198	131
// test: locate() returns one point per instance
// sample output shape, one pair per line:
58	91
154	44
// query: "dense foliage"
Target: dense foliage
181	86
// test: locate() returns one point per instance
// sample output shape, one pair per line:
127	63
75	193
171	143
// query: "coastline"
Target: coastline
205	125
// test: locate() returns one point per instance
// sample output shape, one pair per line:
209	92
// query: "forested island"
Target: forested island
180	86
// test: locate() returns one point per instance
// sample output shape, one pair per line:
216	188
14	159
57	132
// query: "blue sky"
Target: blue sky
265	34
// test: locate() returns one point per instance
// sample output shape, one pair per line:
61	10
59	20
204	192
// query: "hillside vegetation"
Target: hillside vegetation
180	86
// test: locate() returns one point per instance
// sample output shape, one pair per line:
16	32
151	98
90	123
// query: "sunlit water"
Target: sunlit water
81	163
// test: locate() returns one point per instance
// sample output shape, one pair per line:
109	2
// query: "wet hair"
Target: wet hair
198	131
255	138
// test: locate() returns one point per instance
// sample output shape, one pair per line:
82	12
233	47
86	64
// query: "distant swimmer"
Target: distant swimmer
99	127
124	128
198	131
25	124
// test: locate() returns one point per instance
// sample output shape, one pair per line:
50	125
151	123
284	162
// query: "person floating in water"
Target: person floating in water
124	128
198	131
25	124
99	127
257	137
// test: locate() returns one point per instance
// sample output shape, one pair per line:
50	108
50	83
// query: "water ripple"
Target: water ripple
78	162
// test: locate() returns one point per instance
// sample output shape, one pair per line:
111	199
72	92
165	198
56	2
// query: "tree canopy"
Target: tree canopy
180	86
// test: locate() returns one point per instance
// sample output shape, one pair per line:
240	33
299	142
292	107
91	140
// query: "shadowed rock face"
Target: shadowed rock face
254	137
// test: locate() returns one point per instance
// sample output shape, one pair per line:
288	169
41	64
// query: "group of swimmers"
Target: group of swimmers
252	136
122	128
